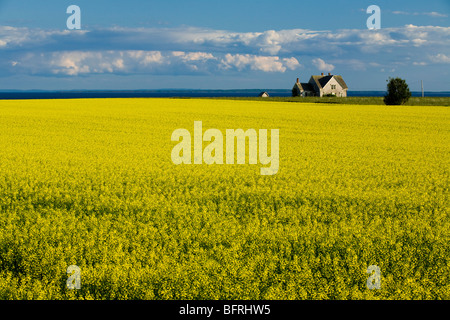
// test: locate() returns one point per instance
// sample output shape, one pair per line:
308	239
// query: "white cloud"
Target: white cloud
418	42
401	12
74	63
269	42
193	56
152	57
429	14
259	63
322	65
291	63
436	14
196	50
440	58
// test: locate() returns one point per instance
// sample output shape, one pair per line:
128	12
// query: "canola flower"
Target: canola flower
91	183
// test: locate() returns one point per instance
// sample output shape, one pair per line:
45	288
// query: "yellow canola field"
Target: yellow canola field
91	183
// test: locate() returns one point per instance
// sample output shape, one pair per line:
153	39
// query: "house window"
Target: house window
333	87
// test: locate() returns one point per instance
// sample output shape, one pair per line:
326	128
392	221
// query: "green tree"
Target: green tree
397	92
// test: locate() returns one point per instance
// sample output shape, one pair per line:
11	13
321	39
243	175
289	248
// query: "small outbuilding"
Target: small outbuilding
264	95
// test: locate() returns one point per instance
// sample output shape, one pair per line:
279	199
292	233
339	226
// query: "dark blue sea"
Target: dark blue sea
178	94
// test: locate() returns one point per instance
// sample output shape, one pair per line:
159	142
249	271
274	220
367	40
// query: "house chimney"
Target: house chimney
322	73
329	74
298	80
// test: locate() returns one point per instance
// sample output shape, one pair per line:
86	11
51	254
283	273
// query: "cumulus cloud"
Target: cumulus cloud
291	63
261	63
322	65
204	51
74	63
440	58
193	56
269	42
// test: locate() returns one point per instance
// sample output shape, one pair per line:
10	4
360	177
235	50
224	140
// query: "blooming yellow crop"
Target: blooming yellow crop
91	183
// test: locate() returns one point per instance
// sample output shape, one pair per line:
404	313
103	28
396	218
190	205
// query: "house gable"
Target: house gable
314	81
332	87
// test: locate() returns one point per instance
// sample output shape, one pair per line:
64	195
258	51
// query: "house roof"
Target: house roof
341	81
322	81
305	86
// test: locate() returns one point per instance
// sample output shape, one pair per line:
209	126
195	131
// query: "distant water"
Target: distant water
179	93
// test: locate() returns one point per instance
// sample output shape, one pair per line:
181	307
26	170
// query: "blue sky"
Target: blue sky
231	44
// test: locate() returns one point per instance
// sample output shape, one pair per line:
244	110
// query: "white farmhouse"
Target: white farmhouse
319	86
